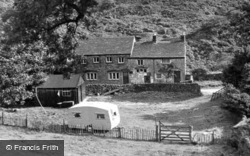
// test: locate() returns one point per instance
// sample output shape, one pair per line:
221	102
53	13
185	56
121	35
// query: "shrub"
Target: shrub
237	101
199	74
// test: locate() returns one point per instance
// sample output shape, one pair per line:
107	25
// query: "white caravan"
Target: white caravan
99	115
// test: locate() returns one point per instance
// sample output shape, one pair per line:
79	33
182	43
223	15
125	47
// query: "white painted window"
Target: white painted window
166	61
96	60
66	93
114	76
100	116
91	76
140	62
120	59
84	61
140	70
158	75
108	59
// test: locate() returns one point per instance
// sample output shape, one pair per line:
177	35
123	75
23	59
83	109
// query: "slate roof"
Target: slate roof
57	81
105	46
161	49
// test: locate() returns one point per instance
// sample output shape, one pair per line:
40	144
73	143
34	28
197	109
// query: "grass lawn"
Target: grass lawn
92	146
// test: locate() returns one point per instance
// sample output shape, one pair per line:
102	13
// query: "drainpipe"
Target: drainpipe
154	70
185	52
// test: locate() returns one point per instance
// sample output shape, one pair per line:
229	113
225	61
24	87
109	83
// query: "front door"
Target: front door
147	79
125	78
177	76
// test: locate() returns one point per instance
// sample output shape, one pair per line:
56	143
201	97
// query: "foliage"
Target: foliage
237	73
237	101
167	69
199	74
39	38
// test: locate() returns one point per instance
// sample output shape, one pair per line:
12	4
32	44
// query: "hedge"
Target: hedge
95	89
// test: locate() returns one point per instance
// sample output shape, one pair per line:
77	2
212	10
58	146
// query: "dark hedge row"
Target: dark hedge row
95	89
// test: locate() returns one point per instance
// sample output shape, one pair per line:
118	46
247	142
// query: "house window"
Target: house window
108	59
66	93
91	76
84	61
166	61
77	115
120	59
158	75
114	76
141	70
96	60
100	116
140	62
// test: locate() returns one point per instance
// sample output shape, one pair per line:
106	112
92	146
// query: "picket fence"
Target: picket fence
160	133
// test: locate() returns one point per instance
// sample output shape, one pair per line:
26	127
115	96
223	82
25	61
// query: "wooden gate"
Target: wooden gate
174	133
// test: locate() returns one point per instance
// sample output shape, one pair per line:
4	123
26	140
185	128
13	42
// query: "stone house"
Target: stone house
122	60
158	61
105	60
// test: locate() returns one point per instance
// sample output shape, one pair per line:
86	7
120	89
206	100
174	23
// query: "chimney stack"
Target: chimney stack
154	37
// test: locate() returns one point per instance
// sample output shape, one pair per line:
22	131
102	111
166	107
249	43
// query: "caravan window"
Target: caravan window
100	116
77	115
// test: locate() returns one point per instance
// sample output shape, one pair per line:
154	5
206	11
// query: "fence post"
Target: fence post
159	137
119	132
63	126
213	140
191	133
26	121
2	118
156	132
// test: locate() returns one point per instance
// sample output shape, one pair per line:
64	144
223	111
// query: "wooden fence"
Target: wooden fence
123	133
183	134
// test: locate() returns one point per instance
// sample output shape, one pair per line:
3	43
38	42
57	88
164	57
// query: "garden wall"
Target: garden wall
95	89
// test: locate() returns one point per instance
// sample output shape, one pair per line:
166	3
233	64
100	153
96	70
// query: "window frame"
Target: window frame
77	115
156	76
123	60
168	62
96	59
113	75
100	116
91	76
107	60
140	62
84	61
66	93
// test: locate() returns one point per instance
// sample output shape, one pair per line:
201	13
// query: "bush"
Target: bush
199	74
236	101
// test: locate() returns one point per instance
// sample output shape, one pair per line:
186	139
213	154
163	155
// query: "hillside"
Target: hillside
201	20
204	21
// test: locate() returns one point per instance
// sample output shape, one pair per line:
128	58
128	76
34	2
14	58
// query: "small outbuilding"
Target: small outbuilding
59	90
98	115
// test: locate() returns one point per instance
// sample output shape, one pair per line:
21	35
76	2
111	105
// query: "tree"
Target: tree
39	37
237	73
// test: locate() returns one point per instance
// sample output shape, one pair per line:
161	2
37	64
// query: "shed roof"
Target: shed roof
100	105
161	49
105	46
58	81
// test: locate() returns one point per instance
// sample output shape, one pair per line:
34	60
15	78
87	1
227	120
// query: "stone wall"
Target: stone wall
95	89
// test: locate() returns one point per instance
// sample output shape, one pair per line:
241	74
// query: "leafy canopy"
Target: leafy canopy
39	38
